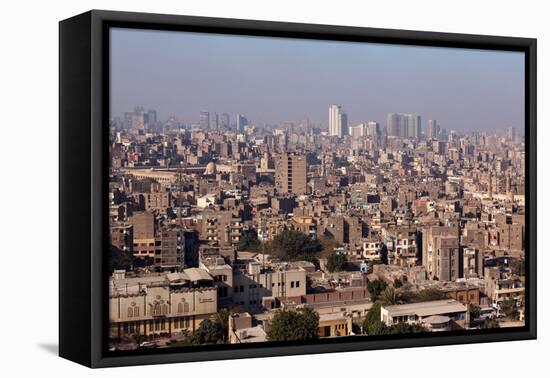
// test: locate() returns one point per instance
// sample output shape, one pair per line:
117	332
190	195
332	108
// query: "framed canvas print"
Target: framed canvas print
235	188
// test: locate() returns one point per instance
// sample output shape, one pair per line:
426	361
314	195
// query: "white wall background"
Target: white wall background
29	184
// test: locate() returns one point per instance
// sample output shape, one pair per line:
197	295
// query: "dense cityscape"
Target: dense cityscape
224	231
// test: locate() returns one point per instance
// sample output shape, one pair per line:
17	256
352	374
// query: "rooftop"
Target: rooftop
424	309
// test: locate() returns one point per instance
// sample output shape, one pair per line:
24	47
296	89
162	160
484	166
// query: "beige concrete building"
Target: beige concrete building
143	223
291	173
441	252
257	286
223	228
163	304
223	277
500	287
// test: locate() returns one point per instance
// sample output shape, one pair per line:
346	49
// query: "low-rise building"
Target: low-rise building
415	313
335	324
256	286
160	304
501	286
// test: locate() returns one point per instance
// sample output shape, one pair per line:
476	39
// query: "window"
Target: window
297	283
292	284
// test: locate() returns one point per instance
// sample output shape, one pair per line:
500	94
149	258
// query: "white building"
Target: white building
418	312
337	121
358	131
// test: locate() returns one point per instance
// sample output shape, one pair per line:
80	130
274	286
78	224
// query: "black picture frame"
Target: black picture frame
83	163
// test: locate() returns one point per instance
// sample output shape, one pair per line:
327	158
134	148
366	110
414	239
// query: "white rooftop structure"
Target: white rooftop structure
424	309
120	284
418	312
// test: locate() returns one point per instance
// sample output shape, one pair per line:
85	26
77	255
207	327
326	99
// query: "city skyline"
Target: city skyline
384	222
290	80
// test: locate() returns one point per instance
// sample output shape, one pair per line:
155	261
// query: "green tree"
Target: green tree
375	288
404	328
120	260
328	244
249	242
209	332
474	311
212	331
292	245
397	283
390	296
222	317
377	328
509	308
288	325
336	262
424	295
372	325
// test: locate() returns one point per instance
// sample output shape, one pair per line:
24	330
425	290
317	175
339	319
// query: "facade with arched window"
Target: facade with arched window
156	307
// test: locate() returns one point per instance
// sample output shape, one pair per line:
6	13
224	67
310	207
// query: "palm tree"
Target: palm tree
391	296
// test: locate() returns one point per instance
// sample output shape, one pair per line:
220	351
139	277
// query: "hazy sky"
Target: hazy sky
273	80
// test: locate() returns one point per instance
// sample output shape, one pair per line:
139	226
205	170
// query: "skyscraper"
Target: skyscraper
373	130
128	120
414	128
337	121
404	125
393	123
432	130
138	121
151	119
214	121
224	121
241	123
290	173
357	131
511	134
204	120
